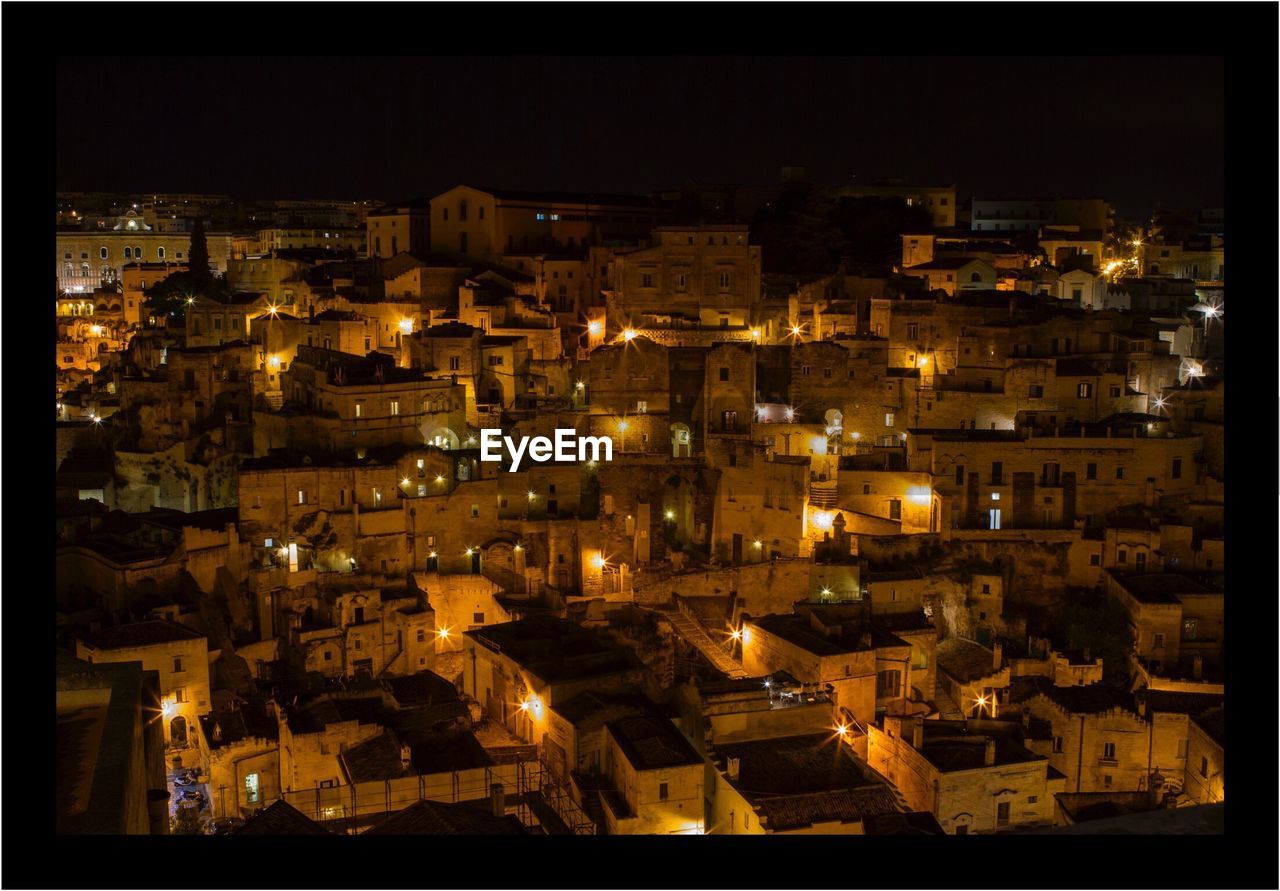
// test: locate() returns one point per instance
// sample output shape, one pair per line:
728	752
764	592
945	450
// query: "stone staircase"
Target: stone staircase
691	630
823	495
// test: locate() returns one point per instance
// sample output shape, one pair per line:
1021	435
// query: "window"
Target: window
681	281
177	663
1106	781
1002	814
641	406
1035	391
446	214
662	791
959	474
888	419
1204	767
913	331
724	281
724	374
477	618
1057	745
454	363
394	406
805	370
1122	556
646	280
895	509
302	496
1177	468
495	361
1084	391
1091	471
1095	559
359	408
1189	627
1109	751
1157	640
102	254
1115	392
251	790
997	473
1120	472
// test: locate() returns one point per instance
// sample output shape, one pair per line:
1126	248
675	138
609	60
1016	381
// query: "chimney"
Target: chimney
1197	666
732	768
989	752
997	656
917	733
498	800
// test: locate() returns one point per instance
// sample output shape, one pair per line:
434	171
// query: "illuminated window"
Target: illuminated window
251	790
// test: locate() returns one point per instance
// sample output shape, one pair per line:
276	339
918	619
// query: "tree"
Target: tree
1091	619
198	256
186	821
169	297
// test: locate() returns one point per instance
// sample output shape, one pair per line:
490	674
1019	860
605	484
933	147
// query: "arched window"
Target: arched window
975	277
102	253
128	253
160	252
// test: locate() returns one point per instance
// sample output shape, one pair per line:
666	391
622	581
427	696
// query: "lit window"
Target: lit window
251	789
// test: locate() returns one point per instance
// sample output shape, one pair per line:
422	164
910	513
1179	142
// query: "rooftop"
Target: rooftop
141	634
799	781
556	649
650	742
965	660
441	818
281	818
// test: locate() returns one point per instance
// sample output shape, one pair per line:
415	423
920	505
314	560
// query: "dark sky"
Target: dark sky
1134	130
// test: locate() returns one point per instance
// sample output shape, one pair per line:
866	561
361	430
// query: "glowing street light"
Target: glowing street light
442	633
594	327
532	494
406	326
629	334
670	515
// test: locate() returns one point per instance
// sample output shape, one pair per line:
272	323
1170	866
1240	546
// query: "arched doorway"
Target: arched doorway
178	731
442	438
681	441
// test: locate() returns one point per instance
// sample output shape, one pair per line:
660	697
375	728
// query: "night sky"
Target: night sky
1137	131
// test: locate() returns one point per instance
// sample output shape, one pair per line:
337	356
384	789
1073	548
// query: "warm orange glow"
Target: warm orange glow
594	326
406	325
443	633
821	519
629	334
598	561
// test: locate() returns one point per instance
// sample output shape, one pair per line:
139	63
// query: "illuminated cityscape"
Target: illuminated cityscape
745	487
